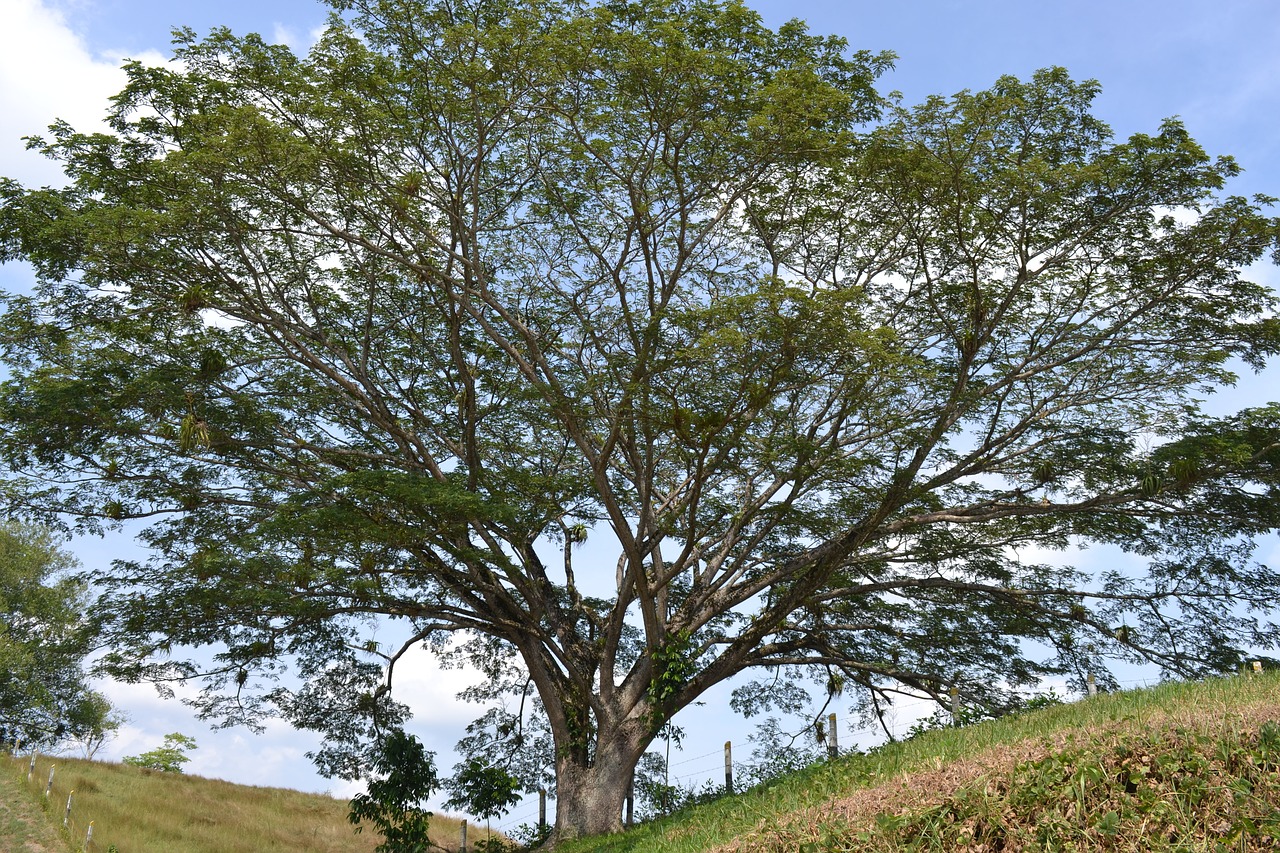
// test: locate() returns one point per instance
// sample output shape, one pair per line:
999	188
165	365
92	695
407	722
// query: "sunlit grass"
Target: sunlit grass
148	812
721	822
144	811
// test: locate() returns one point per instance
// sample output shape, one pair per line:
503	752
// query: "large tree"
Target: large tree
386	331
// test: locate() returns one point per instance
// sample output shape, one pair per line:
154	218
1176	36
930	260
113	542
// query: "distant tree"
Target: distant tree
405	776
167	758
45	634
106	719
386	331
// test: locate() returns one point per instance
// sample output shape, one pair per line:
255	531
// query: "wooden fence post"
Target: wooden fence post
955	705
464	837
728	767
1092	684
833	743
542	811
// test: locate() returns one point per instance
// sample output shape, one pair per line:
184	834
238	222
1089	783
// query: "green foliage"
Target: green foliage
674	664
1047	699
531	836
45	634
968	715
393	803
776	753
363	334
483	790
167	758
522	746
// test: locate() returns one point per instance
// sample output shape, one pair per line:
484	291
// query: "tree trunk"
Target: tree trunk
589	797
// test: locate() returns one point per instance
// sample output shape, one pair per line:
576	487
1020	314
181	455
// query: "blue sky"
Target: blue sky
1214	64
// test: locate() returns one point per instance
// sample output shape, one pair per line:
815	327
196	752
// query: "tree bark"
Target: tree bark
590	794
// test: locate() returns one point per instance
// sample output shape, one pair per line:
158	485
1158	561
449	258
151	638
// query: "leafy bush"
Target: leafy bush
531	835
168	758
393	803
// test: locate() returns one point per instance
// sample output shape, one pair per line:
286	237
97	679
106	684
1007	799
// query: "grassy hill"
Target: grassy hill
1185	767
142	811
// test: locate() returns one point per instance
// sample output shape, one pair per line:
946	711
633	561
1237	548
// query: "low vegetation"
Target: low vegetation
1186	767
145	811
1189	766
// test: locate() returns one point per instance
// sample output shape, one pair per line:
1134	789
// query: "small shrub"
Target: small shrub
168	758
392	804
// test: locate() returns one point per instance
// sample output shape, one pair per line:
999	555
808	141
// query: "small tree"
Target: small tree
393	803
168	758
483	790
94	722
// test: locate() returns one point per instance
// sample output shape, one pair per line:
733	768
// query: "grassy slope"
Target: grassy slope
141	811
24	828
1176	767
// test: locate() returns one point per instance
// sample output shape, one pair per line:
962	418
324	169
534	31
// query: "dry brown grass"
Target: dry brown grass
144	811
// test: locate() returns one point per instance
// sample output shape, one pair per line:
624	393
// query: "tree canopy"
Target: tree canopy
388	330
46	633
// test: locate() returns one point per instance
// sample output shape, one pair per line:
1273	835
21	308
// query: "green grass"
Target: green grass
1190	766
23	826
144	811
789	813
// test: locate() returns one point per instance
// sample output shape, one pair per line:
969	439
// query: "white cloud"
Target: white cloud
274	758
288	36
47	73
431	692
277	756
